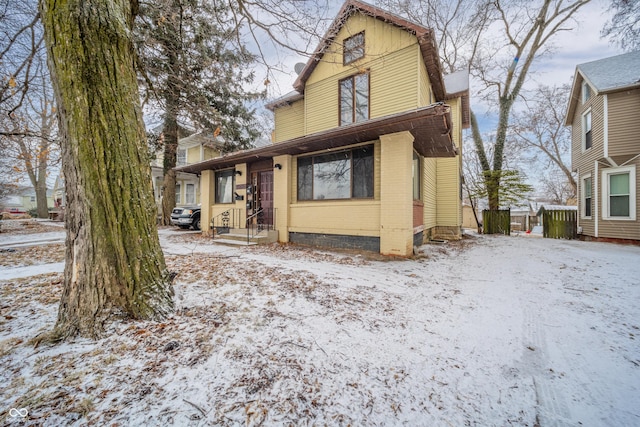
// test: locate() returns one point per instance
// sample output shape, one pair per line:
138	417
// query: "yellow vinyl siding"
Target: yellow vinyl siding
624	123
321	106
289	121
393	82
210	153
424	95
381	39
447	192
193	154
429	190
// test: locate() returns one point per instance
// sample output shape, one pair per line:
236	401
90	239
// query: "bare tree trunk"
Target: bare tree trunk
114	263
169	162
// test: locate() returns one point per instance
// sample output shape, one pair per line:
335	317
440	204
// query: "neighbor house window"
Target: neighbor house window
343	175
354	99
353	48
190	194
586	92
619	193
416	176
224	186
586	130
181	158
586	196
178	194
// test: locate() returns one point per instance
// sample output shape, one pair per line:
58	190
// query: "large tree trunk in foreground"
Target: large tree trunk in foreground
114	263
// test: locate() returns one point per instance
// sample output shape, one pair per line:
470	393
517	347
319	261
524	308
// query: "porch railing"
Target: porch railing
263	219
225	221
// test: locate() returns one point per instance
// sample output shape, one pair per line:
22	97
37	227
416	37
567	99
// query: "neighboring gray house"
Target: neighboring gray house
604	114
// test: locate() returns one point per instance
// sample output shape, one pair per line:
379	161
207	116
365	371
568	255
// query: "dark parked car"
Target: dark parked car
186	216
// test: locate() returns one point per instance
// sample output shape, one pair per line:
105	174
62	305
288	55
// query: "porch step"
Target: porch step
238	237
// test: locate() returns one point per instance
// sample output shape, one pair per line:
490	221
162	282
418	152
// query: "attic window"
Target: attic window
353	48
586	92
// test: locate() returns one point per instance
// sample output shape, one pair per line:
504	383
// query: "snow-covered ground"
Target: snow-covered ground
489	331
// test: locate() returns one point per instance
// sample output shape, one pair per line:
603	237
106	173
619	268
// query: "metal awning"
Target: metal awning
430	126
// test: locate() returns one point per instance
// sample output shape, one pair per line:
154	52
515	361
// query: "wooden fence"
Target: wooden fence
496	221
561	224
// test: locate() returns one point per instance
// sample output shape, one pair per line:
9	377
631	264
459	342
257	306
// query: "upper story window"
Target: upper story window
353	48
586	130
342	175
354	99
181	158
586	92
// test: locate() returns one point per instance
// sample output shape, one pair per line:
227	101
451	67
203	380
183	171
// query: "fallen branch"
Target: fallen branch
202	411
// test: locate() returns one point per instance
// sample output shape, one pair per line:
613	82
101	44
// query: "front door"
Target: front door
261	198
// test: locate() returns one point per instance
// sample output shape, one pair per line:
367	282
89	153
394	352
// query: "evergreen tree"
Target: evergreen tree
194	68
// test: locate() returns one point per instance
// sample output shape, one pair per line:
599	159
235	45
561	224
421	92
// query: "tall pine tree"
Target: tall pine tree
194	68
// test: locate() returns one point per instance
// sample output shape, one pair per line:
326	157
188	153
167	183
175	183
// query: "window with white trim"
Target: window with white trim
619	193
181	158
190	194
586	92
178	193
586	130
587	194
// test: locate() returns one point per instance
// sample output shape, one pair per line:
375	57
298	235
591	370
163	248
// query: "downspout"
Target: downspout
606	131
595	193
581	207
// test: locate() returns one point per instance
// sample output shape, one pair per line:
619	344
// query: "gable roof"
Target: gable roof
616	73
425	37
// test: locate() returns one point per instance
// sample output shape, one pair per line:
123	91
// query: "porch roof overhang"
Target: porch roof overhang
430	127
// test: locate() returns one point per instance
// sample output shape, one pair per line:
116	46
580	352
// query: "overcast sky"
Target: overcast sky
583	44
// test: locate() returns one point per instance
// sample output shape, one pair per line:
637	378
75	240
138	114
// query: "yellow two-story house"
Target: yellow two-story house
366	150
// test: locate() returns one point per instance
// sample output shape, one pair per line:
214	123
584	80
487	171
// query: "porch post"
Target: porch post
396	194
206	200
282	195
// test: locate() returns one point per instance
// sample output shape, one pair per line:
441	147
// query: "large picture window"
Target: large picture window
354	99
353	48
619	193
343	175
224	186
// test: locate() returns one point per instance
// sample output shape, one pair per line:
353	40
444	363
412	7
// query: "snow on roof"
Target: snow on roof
611	73
456	82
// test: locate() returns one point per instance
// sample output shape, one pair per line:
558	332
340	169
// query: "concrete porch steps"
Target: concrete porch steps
238	237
